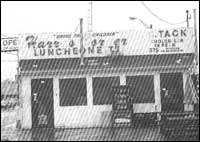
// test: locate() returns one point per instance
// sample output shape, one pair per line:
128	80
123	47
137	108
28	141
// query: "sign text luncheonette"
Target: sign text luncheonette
127	43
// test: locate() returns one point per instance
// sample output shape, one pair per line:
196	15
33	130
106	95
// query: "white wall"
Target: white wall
26	103
84	116
95	115
81	116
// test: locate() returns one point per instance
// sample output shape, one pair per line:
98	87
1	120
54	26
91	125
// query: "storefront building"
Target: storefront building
56	90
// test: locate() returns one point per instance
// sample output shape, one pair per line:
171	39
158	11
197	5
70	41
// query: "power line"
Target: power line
3	35
8	60
9	53
76	28
161	18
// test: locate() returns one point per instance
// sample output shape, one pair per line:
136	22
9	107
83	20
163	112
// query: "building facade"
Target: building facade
57	90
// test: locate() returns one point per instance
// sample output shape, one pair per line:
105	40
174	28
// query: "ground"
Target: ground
136	133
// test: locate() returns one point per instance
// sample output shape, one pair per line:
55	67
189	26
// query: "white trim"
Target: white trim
89	91
157	93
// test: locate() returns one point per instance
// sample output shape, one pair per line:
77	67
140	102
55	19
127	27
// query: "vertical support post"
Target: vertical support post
157	95
187	18
196	43
56	99
122	80
20	103
89	91
81	41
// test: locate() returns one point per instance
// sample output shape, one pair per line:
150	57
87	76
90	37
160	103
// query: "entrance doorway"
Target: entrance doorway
42	103
172	92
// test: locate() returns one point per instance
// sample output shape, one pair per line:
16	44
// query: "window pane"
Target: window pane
102	87
141	88
73	92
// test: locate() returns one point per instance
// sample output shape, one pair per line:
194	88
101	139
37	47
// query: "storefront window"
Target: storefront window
73	92
141	88
102	87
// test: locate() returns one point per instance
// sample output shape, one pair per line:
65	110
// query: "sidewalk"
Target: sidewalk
135	133
92	134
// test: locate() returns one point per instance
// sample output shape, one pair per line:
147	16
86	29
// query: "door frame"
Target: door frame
182	90
50	115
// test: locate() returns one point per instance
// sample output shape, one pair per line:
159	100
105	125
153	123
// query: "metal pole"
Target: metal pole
18	90
187	18
81	41
91	16
196	43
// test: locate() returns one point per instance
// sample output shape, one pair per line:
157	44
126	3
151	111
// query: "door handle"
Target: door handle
35	97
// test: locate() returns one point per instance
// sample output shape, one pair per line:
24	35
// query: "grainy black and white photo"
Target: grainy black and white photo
99	70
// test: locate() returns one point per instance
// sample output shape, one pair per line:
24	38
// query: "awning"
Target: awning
118	64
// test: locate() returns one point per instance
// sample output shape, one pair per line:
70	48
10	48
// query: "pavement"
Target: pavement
135	133
99	134
92	134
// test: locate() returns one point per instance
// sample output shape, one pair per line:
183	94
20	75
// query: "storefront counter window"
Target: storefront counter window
73	92
102	87
142	88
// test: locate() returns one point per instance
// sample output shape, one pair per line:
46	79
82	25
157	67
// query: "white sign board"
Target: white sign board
128	43
122	120
9	44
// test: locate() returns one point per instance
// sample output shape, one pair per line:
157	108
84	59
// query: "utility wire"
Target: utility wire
72	37
9	53
8	60
3	35
76	28
161	18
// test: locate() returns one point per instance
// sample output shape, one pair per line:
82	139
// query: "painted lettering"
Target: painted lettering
183	32
160	33
51	51
58	51
71	43
31	41
50	44
67	51
91	49
42	52
167	33
41	44
175	33
35	52
99	50
75	50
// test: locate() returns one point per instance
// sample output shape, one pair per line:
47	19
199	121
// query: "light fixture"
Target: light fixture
135	18
178	61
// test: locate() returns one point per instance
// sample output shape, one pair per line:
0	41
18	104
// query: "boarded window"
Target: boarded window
73	92
141	88
102	87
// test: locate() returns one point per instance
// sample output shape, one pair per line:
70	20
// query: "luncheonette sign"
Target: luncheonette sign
146	42
9	44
